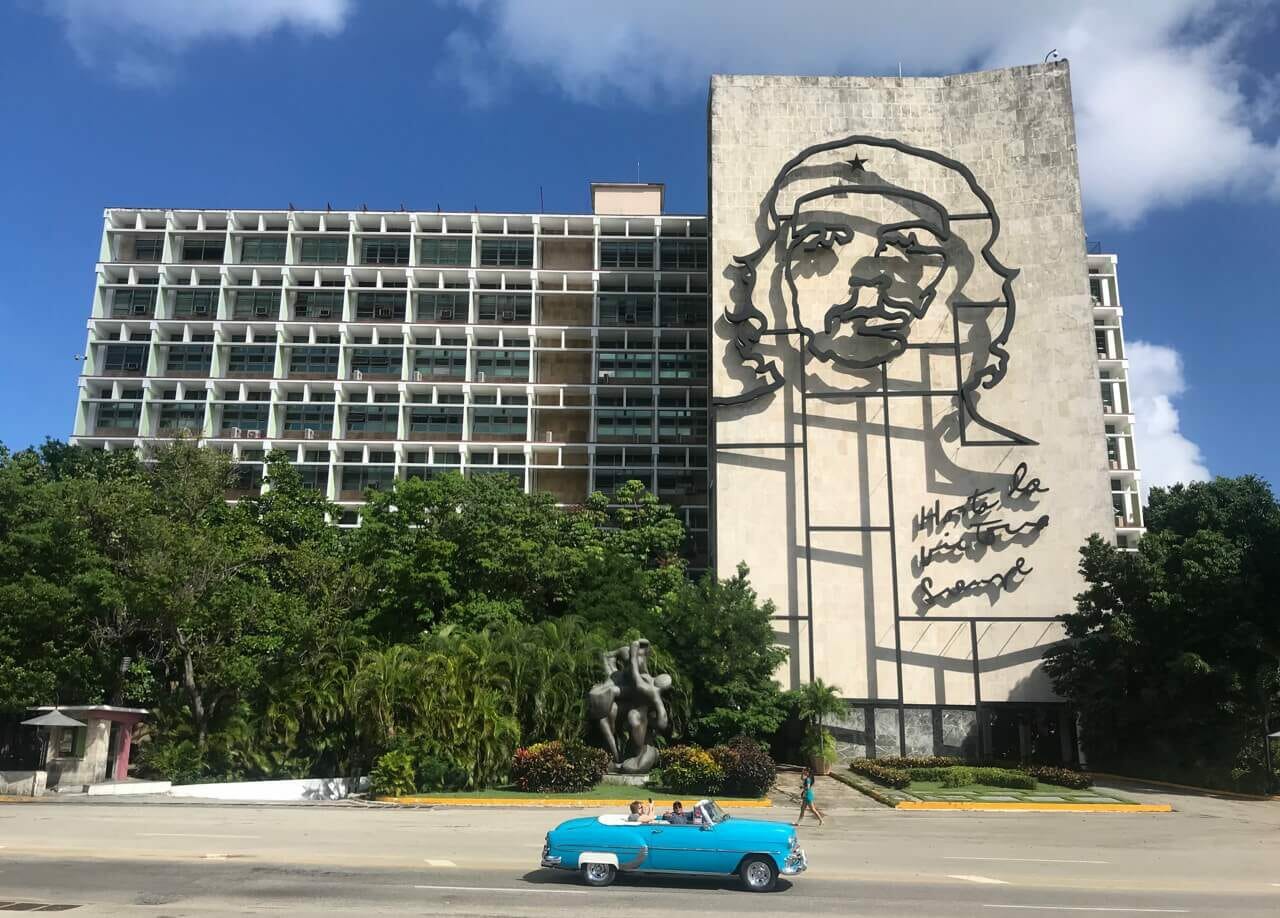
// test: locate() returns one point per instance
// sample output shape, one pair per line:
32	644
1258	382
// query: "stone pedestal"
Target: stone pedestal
617	777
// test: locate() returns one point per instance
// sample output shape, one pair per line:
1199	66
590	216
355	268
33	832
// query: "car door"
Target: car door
682	848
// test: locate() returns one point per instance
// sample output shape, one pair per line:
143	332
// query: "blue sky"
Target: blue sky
262	103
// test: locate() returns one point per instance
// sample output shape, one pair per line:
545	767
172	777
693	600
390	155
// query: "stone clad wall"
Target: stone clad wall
1014	130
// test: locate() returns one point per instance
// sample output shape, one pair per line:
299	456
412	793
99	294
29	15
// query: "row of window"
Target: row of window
444	422
322	360
672	255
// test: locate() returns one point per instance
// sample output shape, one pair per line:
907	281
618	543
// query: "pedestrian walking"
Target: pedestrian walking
806	796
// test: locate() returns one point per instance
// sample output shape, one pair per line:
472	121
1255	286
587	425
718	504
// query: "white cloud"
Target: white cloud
137	41
1162	111
1155	380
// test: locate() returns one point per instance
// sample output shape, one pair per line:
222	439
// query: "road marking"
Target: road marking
508	889
974	879
1023	860
439	862
185	835
1091	908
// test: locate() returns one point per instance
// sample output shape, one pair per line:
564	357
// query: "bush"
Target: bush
932	774
392	775
558	767
1062	777
690	770
1004	777
180	762
749	770
881	773
920	761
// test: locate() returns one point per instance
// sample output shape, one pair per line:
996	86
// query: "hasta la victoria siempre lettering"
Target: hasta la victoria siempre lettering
1003	581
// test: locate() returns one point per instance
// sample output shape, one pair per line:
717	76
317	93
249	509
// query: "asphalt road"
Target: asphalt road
1212	857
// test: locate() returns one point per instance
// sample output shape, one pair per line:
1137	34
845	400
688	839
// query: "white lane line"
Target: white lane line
438	862
1023	860
974	879
186	835
1092	908
508	889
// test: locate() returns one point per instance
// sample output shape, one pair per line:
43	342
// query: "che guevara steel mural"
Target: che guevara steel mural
818	205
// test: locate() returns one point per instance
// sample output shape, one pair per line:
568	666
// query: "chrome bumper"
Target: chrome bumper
549	860
795	863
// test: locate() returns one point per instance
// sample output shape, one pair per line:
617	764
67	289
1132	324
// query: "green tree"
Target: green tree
721	639
1174	657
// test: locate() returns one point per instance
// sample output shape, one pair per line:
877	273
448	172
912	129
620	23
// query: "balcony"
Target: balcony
107	431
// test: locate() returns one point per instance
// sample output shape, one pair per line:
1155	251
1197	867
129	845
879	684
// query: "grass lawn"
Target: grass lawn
933	790
599	792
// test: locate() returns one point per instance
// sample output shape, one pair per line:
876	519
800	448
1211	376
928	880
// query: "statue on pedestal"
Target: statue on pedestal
629	699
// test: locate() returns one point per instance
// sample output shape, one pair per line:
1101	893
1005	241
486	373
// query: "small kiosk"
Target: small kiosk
93	753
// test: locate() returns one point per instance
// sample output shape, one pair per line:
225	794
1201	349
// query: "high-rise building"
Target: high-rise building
1117	409
569	350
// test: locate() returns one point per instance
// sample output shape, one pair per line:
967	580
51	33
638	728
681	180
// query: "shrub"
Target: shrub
930	774
690	770
558	767
958	776
1062	777
749	770
392	775
881	773
1004	777
180	762
920	761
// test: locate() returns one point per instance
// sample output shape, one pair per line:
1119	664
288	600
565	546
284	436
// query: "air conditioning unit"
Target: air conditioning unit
445	314
308	434
237	432
323	312
261	311
508	315
253	434
418	376
606	376
480	376
201	310
546	434
132	366
357	374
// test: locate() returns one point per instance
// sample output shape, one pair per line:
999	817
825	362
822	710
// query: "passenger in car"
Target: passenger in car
677	816
640	812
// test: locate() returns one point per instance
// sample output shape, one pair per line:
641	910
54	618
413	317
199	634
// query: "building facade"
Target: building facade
907	353
567	350
914	371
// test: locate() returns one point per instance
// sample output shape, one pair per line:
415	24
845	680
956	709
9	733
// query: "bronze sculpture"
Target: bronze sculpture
628	699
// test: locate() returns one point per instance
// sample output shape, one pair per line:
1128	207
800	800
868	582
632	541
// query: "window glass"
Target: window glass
504	307
202	250
256	304
321	251
617	253
195	304
133	302
446	251
318	305
684	255
506	253
258	250
384	251
442	307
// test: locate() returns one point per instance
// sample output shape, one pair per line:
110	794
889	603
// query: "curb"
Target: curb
553	802
1235	795
1036	807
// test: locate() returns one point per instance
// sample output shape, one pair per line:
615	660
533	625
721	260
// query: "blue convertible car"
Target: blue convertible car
756	850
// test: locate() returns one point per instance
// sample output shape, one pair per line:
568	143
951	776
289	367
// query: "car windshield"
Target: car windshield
713	811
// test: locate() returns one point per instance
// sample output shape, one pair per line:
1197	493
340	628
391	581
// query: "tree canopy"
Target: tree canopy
462	616
1174	657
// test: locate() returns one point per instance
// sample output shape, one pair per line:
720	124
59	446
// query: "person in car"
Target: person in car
640	812
677	816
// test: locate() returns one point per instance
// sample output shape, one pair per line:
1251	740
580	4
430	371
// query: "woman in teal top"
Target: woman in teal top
806	797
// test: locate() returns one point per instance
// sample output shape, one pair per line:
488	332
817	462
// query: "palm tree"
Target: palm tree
817	701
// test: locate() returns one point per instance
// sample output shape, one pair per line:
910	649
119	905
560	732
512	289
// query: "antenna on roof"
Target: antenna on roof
1052	54
365	208
437	207
328	208
402	207
637	172
542	203
291	206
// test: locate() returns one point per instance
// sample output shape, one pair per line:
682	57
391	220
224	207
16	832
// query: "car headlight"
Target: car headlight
794	842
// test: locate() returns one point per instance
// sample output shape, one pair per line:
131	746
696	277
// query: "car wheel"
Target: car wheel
599	874
759	874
